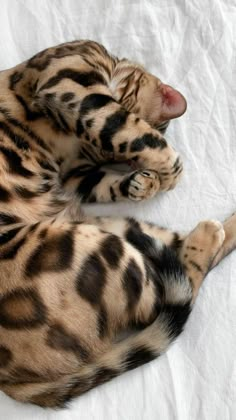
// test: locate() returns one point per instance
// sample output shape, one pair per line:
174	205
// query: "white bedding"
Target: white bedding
192	45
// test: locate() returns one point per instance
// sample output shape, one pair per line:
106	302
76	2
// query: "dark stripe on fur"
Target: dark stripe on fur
81	170
29	114
112	250
16	139
175	317
15	162
88	183
47	166
85	79
147	140
24	128
91	279
55	119
53	254
138	356
6	237
11	253
79	128
132	283
14	79
60	339
5	356
63	123
25	193
5	195
113	124
144	243
102	322
85	153
196	266
93	102
8	219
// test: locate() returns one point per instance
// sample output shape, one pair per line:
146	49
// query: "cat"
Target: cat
71	284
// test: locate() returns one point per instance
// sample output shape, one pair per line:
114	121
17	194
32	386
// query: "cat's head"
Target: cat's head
145	95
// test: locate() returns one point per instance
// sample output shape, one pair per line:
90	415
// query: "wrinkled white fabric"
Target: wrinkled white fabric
190	44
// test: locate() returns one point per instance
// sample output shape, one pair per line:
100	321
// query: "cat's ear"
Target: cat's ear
173	103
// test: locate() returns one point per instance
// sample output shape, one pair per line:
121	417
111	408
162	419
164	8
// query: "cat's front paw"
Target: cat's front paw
141	184
170	171
167	163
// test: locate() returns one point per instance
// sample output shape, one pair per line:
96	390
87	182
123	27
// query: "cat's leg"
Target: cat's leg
199	250
196	250
229	243
132	230
98	184
140	234
176	239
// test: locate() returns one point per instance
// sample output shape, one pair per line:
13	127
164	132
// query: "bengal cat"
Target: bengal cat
71	284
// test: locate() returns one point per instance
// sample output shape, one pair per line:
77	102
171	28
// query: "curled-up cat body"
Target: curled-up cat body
79	108
71	285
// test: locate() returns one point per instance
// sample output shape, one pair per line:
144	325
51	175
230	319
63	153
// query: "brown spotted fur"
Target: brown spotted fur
70	285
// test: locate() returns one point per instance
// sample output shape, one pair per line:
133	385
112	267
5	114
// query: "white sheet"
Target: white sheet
191	45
